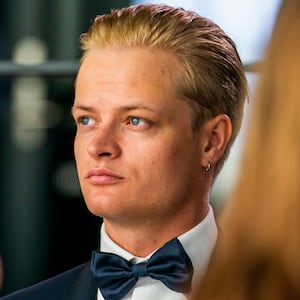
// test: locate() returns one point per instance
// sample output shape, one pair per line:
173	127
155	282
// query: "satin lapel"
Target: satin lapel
84	286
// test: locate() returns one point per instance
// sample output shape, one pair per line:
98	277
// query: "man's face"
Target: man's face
136	154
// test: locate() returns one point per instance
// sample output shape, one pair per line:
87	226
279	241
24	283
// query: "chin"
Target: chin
102	207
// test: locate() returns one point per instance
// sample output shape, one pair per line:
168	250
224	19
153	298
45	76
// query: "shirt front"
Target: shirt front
198	243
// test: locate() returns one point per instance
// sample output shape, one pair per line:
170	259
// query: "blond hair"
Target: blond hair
212	73
259	248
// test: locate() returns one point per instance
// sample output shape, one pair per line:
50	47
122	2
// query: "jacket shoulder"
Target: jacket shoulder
77	283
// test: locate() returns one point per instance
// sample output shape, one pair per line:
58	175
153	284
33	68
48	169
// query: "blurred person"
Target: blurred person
159	100
258	254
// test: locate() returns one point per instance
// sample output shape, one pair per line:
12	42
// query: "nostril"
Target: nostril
105	154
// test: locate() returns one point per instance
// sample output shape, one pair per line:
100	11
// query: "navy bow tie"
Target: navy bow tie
116	276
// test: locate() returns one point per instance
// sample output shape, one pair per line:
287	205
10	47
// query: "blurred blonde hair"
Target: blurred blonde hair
212	78
258	255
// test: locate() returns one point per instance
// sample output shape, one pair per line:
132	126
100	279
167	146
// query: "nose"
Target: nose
104	143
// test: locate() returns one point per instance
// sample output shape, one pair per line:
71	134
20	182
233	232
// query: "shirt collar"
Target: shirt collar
198	243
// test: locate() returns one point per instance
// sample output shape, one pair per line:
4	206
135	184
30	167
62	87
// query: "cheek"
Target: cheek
181	156
76	149
79	152
166	157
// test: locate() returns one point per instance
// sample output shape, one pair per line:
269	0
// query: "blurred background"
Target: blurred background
45	227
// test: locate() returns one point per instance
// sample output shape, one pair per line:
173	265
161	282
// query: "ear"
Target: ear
215	135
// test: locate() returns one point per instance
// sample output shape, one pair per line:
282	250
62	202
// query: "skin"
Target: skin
139	163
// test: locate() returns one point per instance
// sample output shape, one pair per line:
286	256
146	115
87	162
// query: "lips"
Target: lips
102	176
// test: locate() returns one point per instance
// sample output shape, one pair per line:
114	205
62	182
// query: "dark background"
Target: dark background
45	227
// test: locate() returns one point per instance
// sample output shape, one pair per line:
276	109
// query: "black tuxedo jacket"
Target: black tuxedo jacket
75	284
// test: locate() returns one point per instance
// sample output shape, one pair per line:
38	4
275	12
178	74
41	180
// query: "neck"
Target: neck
142	238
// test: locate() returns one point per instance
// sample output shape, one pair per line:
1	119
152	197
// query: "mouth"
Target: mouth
102	176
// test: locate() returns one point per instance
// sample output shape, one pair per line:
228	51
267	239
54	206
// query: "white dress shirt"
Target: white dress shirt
198	243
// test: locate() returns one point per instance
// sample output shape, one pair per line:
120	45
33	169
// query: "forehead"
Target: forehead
111	80
137	69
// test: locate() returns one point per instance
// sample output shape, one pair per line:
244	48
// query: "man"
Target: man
158	102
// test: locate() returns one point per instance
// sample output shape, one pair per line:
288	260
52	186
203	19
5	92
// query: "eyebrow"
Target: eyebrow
137	107
123	108
82	107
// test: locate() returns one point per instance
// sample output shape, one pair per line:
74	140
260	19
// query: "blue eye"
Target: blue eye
85	120
138	123
135	121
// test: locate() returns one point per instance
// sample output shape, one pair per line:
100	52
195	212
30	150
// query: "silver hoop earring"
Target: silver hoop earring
208	167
